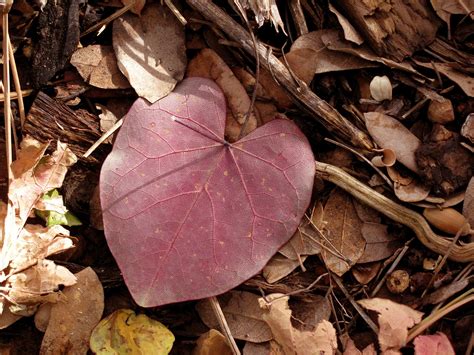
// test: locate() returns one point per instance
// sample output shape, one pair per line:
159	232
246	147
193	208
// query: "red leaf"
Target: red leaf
188	215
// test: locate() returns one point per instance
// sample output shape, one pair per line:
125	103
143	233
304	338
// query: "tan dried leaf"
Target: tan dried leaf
364	273
277	314
72	320
434	344
97	65
39	283
468	205
243	314
413	192
446	8
280	266
345	243
465	82
150	50
335	42
351	349
212	342
208	64
389	133
137	8
350	33
379	243
394	321
445	292
316	58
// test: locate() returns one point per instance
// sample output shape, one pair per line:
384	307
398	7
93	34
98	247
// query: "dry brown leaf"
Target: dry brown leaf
364	273
256	349
351	349
304	241
389	133
212	342
276	92
465	82
265	11
137	8
350	33
366	214
243	314
468	205
446	8
467	129
310	311
445	292
394	321
343	235
413	192
315	57
435	344
150	50
379	243
72	320
335	42
98	66
280	266
277	314
208	64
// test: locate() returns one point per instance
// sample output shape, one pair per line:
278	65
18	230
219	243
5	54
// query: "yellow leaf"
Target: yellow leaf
123	332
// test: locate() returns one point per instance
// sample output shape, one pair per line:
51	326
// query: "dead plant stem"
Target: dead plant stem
216	307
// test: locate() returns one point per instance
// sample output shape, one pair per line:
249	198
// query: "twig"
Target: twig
103	138
16	80
109	19
358	308
466	297
401	214
216	307
303	96
14	95
6	81
176	12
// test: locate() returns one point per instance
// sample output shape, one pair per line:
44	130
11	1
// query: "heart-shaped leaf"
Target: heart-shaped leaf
188	215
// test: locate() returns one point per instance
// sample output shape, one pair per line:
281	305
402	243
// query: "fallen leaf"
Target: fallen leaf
445	292
467	129
150	50
265	10
335	42
72	320
208	64
366	213
345	243
379	243
124	332
364	273
211	343
394	321
176	186
308	312
350	33
389	133
446	8
317	58
98	66
305	239
256	349
52	210
413	192
243	314
137	7
468	205
280	266
465	82
351	349
277	314
435	344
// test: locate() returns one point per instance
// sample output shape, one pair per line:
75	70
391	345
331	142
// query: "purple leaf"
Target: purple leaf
188	215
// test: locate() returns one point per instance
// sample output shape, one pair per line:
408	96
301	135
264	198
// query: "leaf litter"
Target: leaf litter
388	245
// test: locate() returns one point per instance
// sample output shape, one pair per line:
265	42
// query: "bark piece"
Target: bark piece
49	119
394	29
58	26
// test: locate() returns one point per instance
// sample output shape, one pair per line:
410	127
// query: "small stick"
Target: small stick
16	80
176	12
103	138
358	308
109	19
461	253
6	82
14	95
216	307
